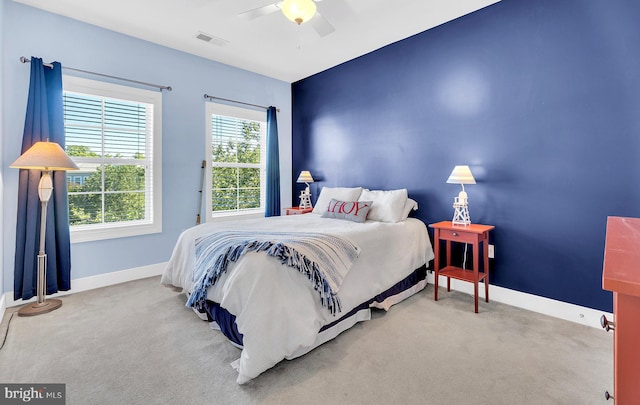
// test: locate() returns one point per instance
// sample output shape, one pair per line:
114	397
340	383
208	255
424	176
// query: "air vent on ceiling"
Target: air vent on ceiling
211	39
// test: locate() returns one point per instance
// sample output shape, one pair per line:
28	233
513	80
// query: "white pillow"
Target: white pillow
408	206
388	205
337	193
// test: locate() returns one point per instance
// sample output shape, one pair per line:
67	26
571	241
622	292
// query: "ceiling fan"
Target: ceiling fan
298	11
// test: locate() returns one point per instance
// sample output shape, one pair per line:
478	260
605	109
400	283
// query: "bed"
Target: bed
272	309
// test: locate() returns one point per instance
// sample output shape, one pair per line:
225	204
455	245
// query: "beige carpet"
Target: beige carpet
136	343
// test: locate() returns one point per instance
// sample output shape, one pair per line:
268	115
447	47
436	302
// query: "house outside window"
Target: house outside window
236	139
113	133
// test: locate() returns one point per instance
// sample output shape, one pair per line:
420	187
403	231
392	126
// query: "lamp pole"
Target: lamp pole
42	305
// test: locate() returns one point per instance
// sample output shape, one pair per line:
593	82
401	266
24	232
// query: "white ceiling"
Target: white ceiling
270	45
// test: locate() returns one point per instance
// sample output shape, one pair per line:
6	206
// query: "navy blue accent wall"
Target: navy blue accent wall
540	97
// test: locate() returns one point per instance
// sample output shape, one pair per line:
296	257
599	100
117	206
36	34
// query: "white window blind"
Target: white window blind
236	139
112	133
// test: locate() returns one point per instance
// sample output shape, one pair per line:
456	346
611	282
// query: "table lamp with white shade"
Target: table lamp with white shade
305	195
461	175
45	156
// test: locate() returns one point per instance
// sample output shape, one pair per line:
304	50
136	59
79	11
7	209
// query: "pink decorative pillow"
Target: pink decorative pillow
355	211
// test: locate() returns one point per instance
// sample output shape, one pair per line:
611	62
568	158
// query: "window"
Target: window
113	133
236	139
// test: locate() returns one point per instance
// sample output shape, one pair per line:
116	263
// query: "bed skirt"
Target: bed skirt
221	319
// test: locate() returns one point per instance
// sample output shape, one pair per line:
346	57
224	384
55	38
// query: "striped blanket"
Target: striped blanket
324	259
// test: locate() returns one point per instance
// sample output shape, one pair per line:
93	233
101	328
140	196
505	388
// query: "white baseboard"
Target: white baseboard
93	282
558	309
546	306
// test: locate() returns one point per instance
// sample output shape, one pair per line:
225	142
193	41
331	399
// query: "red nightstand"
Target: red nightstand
297	211
473	234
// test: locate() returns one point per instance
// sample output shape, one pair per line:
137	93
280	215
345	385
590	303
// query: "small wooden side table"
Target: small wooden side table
473	234
297	211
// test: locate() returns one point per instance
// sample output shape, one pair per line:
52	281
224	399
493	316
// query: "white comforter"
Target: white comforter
276	307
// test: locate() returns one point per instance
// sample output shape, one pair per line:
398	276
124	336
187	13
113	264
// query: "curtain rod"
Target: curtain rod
26	60
237	102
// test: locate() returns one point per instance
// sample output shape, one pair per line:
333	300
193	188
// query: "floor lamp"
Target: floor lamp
45	156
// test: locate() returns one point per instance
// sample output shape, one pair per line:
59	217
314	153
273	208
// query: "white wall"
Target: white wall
55	38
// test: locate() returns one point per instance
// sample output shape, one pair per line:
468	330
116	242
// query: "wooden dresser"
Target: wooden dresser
621	275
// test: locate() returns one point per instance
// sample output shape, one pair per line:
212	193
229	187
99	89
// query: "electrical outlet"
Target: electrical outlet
492	252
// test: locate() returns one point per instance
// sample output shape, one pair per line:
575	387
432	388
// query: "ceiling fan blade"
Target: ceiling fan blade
259	12
321	25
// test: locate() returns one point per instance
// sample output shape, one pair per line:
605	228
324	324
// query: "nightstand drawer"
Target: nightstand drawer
458	236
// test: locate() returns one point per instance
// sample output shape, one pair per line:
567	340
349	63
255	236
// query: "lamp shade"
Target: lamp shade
461	175
298	11
44	156
305	177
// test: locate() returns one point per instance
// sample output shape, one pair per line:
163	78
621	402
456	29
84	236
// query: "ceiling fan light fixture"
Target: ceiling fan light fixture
299	11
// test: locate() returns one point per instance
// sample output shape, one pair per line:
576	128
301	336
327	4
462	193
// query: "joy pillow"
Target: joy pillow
355	211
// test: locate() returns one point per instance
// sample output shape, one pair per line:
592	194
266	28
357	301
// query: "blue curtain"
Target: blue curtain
273	165
44	120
